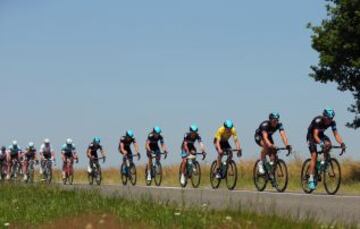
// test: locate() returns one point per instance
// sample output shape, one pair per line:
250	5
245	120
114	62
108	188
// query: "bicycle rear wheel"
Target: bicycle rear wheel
305	175
332	177
196	175
260	180
281	176
231	175
158	174
215	183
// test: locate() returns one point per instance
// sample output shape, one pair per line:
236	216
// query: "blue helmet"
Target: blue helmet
274	116
157	130
329	113
228	124
96	140
130	133
194	128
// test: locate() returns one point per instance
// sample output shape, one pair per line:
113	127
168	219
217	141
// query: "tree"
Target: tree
337	40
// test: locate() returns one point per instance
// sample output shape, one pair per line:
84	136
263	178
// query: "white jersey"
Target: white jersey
46	149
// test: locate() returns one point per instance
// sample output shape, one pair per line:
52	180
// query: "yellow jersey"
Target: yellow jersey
223	135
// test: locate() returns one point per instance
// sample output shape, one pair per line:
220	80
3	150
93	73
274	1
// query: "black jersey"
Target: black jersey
94	148
268	128
154	140
318	124
190	139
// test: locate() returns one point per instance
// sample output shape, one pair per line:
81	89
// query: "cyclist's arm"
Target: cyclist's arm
186	148
316	136
163	147
265	136
147	146
284	138
338	138
236	139
202	146
122	148
102	151
136	146
88	153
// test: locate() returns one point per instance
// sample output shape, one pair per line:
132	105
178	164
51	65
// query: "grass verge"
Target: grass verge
33	206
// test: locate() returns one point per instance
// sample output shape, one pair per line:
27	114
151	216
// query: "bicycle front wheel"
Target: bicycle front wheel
132	174
281	176
158	174
196	175
124	178
231	175
332	177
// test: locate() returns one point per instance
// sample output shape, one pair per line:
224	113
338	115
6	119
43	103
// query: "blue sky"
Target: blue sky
88	68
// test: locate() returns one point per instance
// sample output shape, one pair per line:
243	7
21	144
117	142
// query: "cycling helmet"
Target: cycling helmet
31	145
194	128
329	113
14	143
47	141
96	140
69	141
3	148
228	124
274	116
130	133
157	130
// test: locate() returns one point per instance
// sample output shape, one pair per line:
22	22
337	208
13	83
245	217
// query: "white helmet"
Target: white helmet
47	141
69	141
14	143
31	145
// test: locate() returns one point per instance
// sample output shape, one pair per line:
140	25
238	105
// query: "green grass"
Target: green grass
36	205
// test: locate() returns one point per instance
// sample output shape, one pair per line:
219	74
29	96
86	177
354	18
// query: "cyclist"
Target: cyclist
263	137
188	148
2	161
125	146
68	151
221	142
28	155
92	152
14	153
46	153
316	137
152	146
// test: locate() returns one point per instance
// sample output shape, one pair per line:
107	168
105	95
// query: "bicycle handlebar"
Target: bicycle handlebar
284	149
343	150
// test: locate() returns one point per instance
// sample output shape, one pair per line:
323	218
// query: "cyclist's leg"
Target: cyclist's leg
183	161
328	146
314	155
220	155
9	164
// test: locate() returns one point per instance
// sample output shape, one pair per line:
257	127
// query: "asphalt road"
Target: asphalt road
323	208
